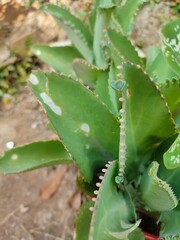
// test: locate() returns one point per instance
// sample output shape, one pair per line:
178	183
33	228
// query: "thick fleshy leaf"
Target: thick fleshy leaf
102	22
159	69
120	43
171	92
171	44
102	89
172	156
156	194
34	155
123	15
113	210
82	222
146	126
74	28
171	176
80	119
60	58
86	72
99	81
171	223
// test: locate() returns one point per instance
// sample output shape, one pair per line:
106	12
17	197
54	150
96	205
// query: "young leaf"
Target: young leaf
156	194
75	29
34	155
86	72
172	156
112	222
123	15
82	222
120	43
60	58
102	89
146	126
102	22
80	119
171	44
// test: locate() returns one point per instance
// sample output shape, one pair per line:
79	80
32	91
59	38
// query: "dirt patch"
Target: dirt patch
23	214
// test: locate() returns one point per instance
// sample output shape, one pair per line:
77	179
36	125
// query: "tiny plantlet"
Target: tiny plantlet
118	118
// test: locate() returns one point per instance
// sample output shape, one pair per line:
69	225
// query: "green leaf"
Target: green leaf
171	223
102	22
80	119
74	28
152	53
87	188
156	194
159	69
106	4
86	72
123	15
34	155
99	81
171	43
82	222
102	89
172	156
60	58
113	210
136	234
120	43
170	91
146	126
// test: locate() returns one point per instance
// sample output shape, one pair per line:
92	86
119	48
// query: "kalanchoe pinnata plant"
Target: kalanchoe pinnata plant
117	116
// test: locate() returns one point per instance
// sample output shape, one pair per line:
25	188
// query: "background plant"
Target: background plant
137	147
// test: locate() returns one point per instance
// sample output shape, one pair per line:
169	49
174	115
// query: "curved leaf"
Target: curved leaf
170	91
113	212
159	69
102	22
80	120
171	44
148	119
34	155
60	58
156	194
120	43
82	222
172	156
124	14
86	72
75	29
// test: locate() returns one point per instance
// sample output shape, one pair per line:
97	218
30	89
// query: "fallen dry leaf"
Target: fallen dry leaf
75	201
49	190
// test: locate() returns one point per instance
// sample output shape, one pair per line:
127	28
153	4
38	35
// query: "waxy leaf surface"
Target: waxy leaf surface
82	222
34	155
60	58
74	28
149	121
171	44
80	120
113	210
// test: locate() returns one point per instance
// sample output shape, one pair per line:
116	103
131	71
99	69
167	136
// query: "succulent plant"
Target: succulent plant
117	116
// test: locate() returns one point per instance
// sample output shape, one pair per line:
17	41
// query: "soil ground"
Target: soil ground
24	215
